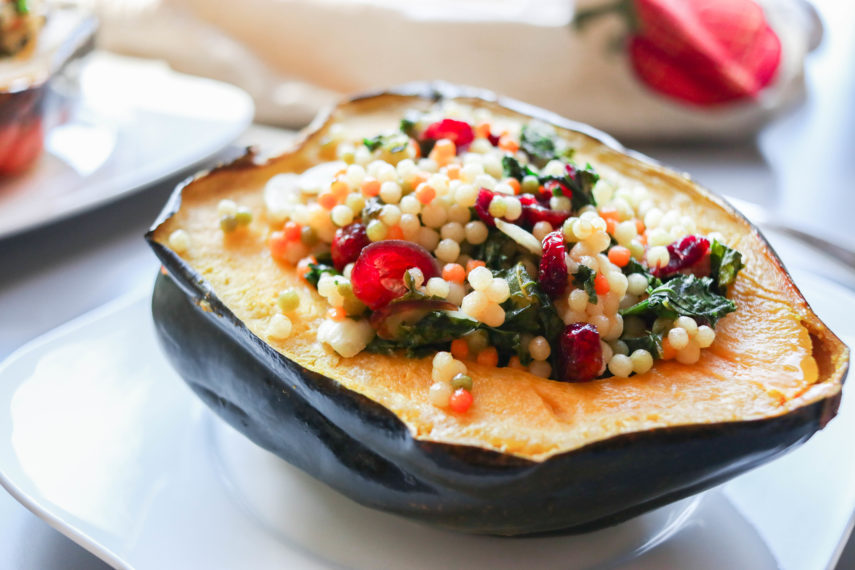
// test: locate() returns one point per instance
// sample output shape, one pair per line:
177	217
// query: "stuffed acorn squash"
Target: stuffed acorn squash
477	314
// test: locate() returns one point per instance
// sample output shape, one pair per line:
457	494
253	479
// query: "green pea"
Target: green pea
308	236
461	381
288	300
228	224
243	216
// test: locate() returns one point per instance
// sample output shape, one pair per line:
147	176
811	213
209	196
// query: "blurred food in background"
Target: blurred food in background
38	42
640	69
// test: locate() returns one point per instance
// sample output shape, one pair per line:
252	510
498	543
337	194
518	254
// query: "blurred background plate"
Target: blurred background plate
136	122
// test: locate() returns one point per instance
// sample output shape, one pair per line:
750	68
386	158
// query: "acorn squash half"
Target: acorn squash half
533	455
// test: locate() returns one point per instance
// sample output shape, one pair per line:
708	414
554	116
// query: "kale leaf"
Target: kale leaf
429	334
580	182
313	275
514	169
725	263
538	141
651	342
498	250
391	142
584	279
635	267
684	295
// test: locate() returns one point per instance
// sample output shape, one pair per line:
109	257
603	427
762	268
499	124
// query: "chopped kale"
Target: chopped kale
540	142
437	327
313	275
635	267
371	210
579	181
584	279
499	251
650	342
391	142
514	169
408	124
725	263
684	295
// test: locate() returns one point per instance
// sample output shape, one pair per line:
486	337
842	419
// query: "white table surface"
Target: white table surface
802	167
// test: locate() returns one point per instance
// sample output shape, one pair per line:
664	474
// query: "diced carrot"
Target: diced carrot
425	194
278	245
601	284
619	255
668	351
303	265
339	188
513	183
336	313
459	349
609	213
472	264
639	226
327	200
453	272
611	225
395	232
292	231
507	143
452	171
488	356
370	187
482	130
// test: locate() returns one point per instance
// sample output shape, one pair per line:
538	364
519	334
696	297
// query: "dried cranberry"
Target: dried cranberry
494	139
553	270
378	274
482	206
347	244
683	254
552	185
533	213
458	132
580	357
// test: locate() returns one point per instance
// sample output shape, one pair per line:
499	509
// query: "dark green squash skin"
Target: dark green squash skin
363	450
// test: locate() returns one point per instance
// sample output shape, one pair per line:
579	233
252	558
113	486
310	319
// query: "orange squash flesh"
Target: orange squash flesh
769	357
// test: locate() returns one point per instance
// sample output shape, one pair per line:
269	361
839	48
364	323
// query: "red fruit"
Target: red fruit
683	254
482	206
378	274
347	244
580	357
553	270
460	401
533	213
458	132
704	52
21	147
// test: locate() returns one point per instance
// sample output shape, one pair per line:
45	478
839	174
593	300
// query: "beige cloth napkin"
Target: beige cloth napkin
296	56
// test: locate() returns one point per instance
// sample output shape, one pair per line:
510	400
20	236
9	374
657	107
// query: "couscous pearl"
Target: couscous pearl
578	300
427	238
607	352
580	250
690	354
454	231
179	241
437	287
540	368
440	394
705	336
362	155
615	328
493	315
687	323
447	250
602	192
582	228
678	338
598	241
570	316
653	217
589	262
377	230
497	207
428	165
625	232
636	248
476	232
623	208
441	359
658	256
541	229
598	224
560	203
620	365
670	218
603	324
390	192
474	303
480	278
410	205
567	230
658	237
480	146
341	215
434	215
439	182
498	291
485	181
618	284
354	175
539	348
226	208
279	327
348	269
417	276
619	347
390	215
459	214
642	361
502	188
513	209
470	172
409	225
355	201
456	292
636	284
